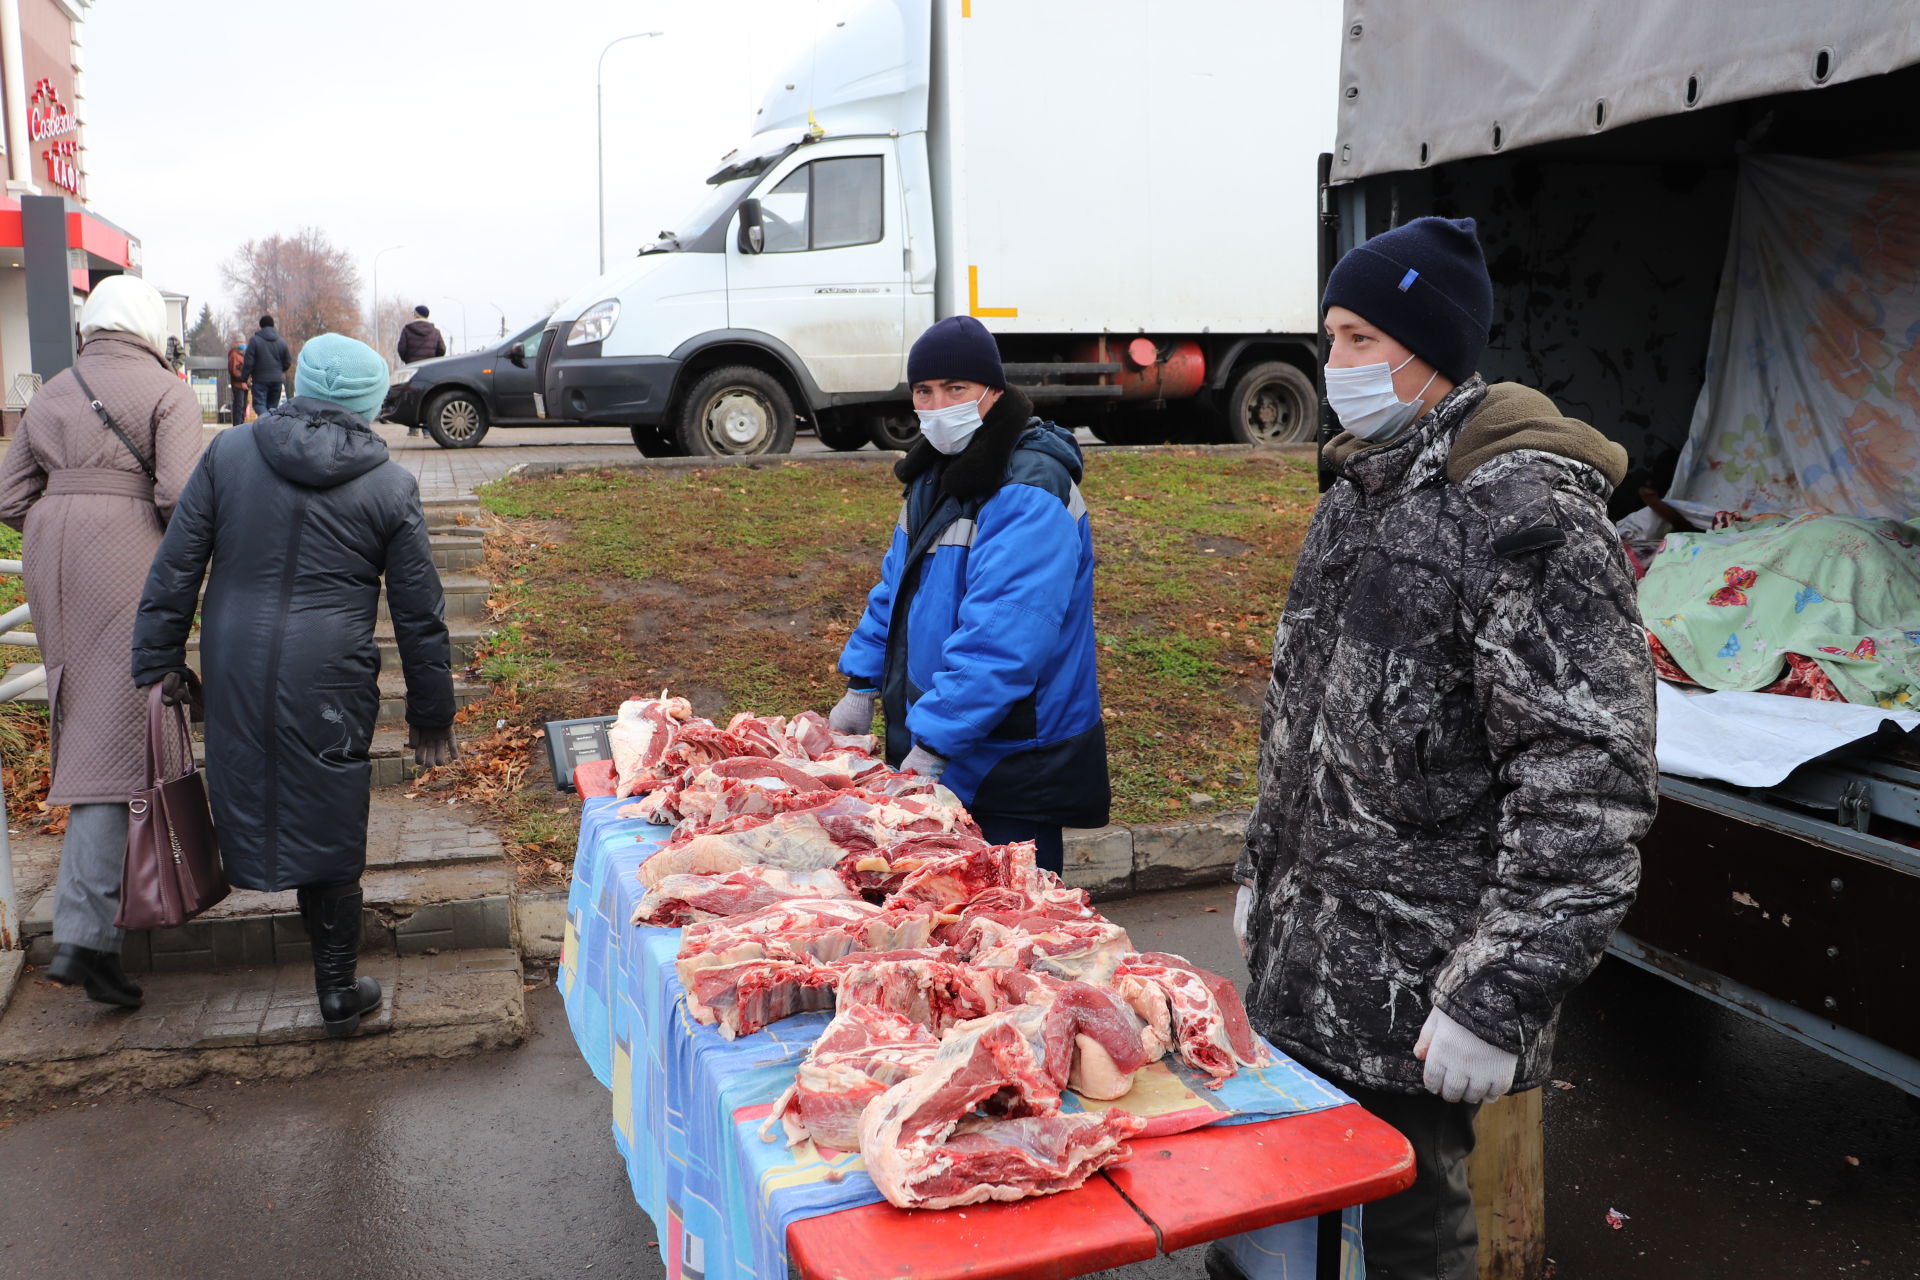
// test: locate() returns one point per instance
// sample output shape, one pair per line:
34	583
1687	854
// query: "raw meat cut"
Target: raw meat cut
863	1052
825	828
640	735
934	989
1087	950
885	869
1108	1042
953	880
686	899
1209	1023
924	1147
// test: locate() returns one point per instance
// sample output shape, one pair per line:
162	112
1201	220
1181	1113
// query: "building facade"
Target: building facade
43	91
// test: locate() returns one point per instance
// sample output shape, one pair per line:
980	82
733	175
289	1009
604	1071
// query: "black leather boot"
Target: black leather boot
332	916
1222	1267
98	971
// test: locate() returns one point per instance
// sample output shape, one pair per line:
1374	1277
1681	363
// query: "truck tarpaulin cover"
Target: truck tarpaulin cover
1415	73
1812	393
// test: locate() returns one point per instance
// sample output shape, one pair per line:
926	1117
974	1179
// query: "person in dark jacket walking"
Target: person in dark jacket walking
92	507
978	640
237	379
267	363
1457	745
420	340
299	515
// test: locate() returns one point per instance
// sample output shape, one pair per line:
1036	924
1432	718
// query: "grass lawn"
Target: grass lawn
736	587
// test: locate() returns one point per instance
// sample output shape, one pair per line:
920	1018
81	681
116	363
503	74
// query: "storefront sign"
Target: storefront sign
47	116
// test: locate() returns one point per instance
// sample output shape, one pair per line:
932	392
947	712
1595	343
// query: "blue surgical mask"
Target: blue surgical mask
949	429
1364	400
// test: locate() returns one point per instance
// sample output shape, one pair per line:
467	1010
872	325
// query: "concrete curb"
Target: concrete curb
530	470
1118	861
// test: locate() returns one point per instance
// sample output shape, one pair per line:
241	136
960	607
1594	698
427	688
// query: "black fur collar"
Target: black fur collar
978	470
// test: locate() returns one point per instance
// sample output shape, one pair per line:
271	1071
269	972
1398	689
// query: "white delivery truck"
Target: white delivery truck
1121	190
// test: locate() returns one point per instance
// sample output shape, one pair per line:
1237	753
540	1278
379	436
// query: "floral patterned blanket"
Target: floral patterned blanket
1732	608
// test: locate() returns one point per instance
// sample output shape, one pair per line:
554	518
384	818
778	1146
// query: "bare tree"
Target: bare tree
390	316
306	282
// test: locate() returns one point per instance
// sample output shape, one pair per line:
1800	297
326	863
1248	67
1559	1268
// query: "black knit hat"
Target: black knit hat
1426	284
421	311
957	347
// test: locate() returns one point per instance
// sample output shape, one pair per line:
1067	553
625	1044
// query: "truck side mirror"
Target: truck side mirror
753	231
517	355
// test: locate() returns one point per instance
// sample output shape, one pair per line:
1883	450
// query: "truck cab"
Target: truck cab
928	158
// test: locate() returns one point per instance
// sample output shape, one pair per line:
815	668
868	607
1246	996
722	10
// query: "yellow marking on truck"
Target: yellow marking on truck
966	8
973	299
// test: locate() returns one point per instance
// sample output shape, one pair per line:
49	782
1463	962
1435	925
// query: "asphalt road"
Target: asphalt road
1727	1146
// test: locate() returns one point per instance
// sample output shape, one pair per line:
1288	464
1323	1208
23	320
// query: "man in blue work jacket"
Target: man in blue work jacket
978	641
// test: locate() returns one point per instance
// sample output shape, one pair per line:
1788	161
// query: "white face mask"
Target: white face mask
1364	400
949	429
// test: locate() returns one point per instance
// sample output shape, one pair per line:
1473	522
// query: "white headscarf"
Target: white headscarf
126	304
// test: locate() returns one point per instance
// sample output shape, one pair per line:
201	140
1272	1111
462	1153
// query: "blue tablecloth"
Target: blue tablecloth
688	1103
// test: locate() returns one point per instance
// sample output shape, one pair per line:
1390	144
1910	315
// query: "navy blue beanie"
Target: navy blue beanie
1426	285
957	347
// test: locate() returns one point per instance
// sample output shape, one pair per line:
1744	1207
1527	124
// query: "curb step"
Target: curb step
466	595
393	696
432	883
464	637
256	1023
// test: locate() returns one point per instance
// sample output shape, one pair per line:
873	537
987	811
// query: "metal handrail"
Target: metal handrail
11	935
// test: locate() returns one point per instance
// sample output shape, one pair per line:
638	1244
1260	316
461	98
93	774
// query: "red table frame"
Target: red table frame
1173	1193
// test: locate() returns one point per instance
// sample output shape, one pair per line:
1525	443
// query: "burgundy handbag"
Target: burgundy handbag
172	872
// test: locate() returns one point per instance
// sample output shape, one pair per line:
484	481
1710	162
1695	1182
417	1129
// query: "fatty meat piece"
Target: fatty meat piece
1208	1022
924	1147
952	881
1083	950
932	988
885	869
640	735
688	899
825	830
1106	1040
863	1052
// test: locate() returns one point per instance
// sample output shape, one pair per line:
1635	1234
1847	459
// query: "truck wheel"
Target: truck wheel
735	410
456	419
655	442
1272	403
840	432
899	430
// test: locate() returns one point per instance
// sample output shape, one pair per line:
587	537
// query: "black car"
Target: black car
457	398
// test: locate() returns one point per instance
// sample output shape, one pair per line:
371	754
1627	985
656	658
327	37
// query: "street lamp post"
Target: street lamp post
600	144
463	320
376	290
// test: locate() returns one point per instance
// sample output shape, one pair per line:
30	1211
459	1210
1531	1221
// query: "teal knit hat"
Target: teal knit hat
344	370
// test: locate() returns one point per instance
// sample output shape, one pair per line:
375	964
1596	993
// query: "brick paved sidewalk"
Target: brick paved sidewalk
456	473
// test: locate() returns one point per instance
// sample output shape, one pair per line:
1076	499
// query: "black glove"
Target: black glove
432	747
181	689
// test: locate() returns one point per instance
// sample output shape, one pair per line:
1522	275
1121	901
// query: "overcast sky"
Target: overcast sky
460	129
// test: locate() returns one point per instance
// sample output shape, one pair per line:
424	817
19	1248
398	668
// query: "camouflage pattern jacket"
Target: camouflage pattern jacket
1457	751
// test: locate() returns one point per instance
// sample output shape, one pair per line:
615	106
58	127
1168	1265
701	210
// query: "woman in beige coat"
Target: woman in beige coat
92	509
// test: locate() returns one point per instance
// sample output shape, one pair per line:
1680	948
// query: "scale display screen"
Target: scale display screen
572	743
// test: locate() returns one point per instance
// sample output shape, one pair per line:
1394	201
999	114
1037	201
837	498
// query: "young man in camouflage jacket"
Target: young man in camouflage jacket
1457	744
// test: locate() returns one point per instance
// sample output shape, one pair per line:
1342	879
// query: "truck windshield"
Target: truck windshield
704	229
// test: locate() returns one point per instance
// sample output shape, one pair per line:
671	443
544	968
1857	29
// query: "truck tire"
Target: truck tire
655	442
897	429
456	419
734	410
840	432
1272	403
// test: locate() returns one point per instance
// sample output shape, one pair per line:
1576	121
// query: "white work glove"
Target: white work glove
1242	906
853	713
1461	1067
925	763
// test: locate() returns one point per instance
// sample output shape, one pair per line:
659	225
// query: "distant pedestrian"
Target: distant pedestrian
301	515
92	507
420	340
266	367
237	379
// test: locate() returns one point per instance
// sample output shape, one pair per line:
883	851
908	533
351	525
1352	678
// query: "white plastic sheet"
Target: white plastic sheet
1757	739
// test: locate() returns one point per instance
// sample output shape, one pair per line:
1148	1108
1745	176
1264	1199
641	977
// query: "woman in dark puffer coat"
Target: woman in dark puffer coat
294	519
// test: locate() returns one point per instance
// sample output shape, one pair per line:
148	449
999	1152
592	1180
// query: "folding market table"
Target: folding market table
1174	1192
